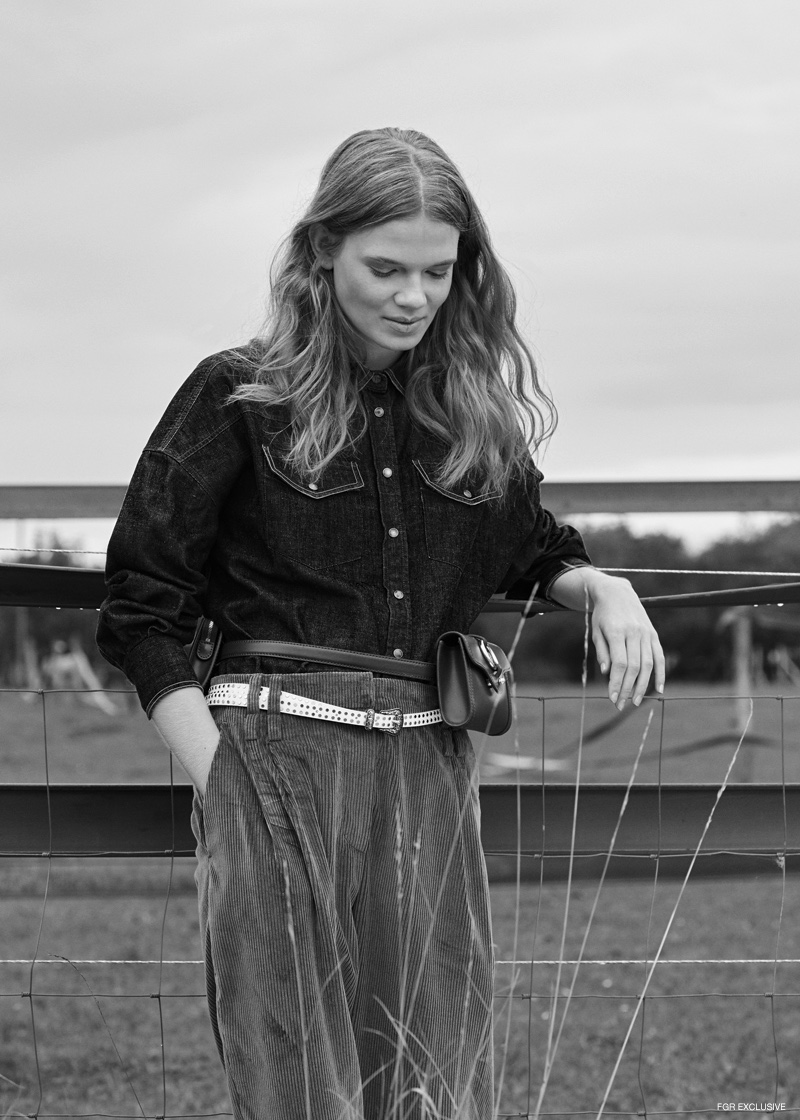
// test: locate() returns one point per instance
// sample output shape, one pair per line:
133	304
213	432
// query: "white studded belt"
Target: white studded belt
391	720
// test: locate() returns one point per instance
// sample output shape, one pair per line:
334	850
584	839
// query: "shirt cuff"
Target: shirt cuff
564	566
547	574
156	666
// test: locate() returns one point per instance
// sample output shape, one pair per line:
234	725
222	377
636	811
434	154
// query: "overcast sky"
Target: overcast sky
637	161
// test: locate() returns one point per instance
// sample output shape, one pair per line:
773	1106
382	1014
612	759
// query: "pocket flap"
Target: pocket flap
339	476
466	492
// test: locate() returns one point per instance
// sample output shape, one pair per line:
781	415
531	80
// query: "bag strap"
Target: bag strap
203	649
329	655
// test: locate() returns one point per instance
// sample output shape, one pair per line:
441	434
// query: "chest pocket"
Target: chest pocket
452	516
319	524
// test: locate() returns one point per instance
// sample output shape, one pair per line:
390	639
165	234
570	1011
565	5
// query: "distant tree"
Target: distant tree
696	646
775	549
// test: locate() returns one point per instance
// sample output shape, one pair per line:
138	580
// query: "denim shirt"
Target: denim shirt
374	556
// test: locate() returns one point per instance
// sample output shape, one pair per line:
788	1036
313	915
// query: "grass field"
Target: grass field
709	1033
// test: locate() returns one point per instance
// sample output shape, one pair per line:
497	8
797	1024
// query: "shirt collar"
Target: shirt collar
365	376
396	381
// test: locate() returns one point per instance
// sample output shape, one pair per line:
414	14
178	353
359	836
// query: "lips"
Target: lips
403	322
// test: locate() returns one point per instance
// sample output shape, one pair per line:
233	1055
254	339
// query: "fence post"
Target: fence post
742	634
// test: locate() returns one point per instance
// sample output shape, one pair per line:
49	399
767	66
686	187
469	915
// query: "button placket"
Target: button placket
395	551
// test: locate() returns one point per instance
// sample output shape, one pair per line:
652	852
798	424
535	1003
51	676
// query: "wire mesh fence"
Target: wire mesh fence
647	956
644	905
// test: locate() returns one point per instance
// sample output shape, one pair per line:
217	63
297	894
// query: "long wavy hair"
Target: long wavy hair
471	381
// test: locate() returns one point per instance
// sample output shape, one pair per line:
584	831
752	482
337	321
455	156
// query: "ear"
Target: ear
321	243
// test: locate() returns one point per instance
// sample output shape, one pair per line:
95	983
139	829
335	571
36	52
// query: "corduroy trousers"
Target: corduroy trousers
344	910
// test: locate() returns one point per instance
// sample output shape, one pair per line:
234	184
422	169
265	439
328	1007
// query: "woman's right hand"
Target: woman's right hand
186	725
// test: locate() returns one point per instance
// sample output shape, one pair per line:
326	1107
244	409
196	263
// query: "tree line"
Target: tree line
696	640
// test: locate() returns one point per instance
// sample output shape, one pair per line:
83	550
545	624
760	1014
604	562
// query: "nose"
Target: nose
411	296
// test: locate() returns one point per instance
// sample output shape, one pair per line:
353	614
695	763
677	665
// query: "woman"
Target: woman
358	477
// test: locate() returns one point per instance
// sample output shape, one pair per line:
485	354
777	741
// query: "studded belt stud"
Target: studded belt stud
390	721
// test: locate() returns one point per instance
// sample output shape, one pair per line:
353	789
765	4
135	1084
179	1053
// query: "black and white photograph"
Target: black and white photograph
400	559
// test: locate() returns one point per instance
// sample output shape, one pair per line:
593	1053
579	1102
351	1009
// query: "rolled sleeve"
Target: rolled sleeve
155	577
564	566
157	666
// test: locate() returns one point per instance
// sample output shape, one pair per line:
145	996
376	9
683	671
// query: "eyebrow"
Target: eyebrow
399	264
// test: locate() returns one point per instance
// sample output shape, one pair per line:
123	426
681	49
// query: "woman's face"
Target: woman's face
390	280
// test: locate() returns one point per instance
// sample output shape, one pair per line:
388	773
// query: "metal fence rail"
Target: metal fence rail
659	822
563	498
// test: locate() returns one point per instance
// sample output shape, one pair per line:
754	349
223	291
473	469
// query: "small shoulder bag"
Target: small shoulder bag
475	682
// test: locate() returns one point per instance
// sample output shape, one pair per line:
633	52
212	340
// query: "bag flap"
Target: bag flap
486	656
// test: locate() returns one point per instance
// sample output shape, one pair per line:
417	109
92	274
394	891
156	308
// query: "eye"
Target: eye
440	275
377	272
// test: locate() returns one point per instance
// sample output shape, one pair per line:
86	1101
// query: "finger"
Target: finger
601	650
645	669
652	664
619	664
631	674
659	665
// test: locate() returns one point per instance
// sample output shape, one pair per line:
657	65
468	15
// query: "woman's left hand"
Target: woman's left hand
624	638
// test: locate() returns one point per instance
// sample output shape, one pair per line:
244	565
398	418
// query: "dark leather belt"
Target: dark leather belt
327	655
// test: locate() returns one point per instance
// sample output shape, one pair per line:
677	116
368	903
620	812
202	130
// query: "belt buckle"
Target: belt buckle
397	721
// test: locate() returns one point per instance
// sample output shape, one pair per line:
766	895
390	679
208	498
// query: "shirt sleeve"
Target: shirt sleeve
549	550
158	555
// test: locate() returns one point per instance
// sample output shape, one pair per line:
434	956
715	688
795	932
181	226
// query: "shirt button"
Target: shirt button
387	472
397	652
467	493
394	532
398	594
313	486
379	412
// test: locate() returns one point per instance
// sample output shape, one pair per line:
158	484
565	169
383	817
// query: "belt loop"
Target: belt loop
274	719
253	725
